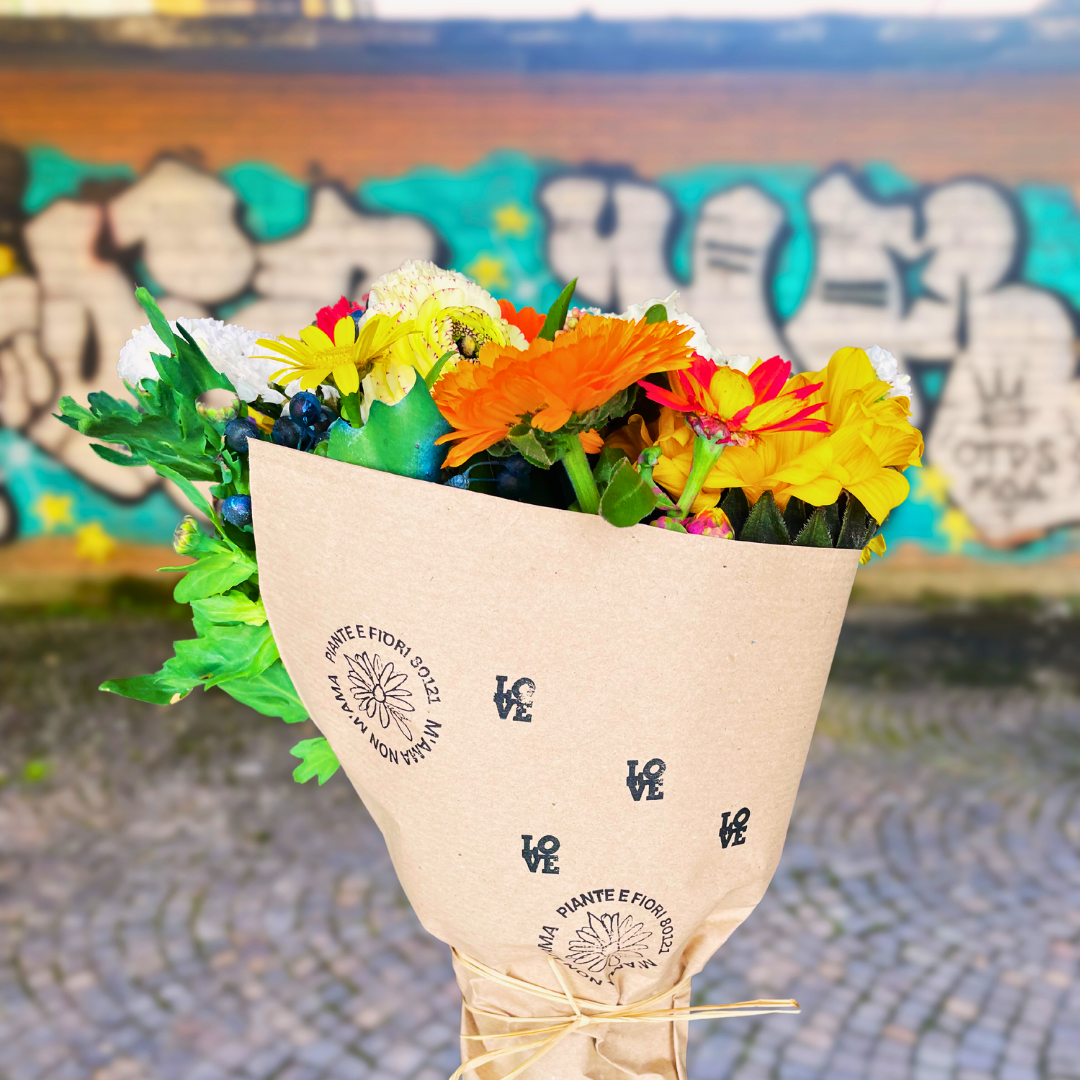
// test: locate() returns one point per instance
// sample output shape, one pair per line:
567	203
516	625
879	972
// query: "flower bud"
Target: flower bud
711	523
217	416
185	536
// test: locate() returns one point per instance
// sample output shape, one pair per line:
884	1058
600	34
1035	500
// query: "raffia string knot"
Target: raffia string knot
548	1031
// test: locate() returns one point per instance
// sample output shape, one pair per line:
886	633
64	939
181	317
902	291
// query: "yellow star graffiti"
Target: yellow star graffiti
94	543
957	528
55	511
933	485
488	272
512	219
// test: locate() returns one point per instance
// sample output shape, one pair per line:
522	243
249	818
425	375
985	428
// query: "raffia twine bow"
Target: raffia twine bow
554	1029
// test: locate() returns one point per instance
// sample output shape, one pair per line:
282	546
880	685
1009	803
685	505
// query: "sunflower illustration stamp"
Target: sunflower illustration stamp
600	932
387	690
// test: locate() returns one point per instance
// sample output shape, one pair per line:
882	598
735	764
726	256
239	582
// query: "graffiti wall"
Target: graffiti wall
975	286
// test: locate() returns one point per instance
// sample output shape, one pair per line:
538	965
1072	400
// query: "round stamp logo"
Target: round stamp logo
387	691
600	932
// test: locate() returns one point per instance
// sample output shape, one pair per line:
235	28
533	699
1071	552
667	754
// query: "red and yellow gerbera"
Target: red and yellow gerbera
726	406
552	381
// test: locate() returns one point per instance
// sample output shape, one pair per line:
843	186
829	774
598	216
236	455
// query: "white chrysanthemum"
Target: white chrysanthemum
406	288
739	361
699	342
228	347
887	369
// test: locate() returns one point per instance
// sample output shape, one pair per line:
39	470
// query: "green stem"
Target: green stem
706	455
577	468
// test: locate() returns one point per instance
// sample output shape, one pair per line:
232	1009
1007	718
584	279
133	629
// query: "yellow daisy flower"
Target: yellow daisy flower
349	357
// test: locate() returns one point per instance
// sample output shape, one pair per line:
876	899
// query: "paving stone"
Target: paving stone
184	922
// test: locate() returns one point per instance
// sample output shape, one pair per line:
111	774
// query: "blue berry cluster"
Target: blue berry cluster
305	424
302	425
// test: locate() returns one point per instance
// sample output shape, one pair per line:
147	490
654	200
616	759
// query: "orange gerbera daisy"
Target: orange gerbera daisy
553	382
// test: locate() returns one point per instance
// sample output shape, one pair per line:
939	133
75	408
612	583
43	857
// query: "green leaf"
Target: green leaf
214	574
233	607
114	457
157	319
271	693
224	653
317	759
532	449
396	438
657	313
198	372
160	439
197	498
436	371
815	533
617	405
765	525
795	516
164	687
606	464
628	498
855	531
72	413
737	507
556	316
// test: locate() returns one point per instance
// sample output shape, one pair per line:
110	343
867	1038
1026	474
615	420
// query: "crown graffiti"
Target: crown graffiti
1002	403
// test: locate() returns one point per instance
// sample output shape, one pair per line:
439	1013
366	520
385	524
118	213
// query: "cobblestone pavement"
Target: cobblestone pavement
173	906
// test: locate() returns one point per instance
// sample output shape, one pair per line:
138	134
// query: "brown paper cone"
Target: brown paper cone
579	741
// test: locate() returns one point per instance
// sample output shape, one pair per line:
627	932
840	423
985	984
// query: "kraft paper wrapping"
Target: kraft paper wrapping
579	741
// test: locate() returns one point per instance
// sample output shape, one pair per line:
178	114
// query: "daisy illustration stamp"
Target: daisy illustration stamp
602	931
387	690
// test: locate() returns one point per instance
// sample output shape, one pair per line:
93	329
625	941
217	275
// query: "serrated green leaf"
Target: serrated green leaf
765	524
72	413
396	438
198	372
617	405
657	313
271	693
532	449
815	533
159	439
737	507
214	574
855	528
503	448
627	499
114	457
104	405
556	316
317	759
157	319
233	607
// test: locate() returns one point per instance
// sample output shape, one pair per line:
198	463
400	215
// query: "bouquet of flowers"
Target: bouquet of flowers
566	628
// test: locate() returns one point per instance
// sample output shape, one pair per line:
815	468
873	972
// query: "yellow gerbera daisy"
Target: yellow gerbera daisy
351	354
